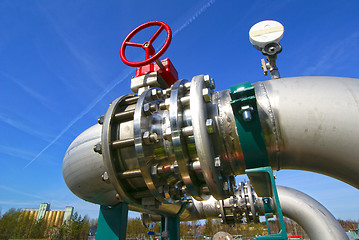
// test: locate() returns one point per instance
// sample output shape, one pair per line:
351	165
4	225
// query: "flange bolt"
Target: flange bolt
98	148
246	113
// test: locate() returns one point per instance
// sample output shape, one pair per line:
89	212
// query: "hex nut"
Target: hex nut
156	94
217	162
146	137
162	106
149	108
210	125
187	85
167	92
98	148
104	176
101	119
154	170
167	135
213	85
153	137
146	109
208	82
225	186
206	95
149	138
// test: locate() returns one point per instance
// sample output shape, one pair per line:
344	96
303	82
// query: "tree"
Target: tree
8	223
39	229
135	228
77	228
209	228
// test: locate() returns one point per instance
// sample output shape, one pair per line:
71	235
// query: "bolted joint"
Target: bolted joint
187	86
246	112
101	119
206	93
156	94
165	105
225	186
149	108
154	170
210	125
167	135
209	82
217	162
166	92
187	131
105	177
175	168
149	138
98	148
185	101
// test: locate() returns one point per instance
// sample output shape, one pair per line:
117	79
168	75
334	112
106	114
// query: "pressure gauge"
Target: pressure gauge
265	32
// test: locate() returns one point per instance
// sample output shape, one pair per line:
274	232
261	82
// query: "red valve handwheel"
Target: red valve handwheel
150	54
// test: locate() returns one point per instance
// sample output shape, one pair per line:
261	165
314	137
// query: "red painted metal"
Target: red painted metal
168	73
150	54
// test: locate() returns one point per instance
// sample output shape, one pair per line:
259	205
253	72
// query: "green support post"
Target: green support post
173	227
249	129
264	178
112	222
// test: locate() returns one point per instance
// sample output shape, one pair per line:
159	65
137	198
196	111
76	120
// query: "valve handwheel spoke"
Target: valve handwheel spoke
150	53
133	44
153	38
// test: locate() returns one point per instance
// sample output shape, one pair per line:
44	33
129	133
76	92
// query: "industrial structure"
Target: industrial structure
52	217
172	148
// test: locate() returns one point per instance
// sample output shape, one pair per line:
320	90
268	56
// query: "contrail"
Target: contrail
194	16
83	113
117	81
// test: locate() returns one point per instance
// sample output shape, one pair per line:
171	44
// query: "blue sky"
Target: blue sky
60	68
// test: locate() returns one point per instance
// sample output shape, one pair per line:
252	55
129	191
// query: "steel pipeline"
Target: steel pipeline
311	123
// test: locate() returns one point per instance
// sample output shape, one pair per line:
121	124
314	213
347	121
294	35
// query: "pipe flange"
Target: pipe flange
243	201
148	140
111	156
178	91
200	98
251	201
247	202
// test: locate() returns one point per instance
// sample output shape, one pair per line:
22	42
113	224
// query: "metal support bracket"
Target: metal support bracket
170	227
263	176
112	222
249	129
244	105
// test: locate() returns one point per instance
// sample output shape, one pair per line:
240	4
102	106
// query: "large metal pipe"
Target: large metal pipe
311	123
312	216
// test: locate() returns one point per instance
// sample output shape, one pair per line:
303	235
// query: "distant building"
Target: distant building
53	217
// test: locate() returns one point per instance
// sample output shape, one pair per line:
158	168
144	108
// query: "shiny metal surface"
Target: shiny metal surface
312	216
144	145
204	148
82	169
166	145
227	137
111	158
178	92
311	123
